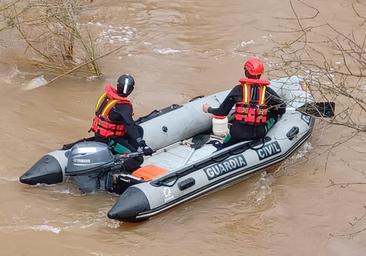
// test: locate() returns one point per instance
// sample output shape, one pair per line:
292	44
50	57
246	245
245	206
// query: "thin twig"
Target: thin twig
83	64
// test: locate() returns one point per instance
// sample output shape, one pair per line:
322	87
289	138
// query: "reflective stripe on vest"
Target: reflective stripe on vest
262	95
100	101
108	108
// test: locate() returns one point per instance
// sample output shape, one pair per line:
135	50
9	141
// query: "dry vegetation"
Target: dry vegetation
55	39
331	61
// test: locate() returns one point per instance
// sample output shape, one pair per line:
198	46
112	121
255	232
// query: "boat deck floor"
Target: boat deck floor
174	156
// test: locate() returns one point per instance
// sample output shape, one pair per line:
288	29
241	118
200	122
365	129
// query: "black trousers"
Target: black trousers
241	132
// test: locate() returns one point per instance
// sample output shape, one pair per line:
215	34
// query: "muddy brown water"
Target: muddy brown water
177	50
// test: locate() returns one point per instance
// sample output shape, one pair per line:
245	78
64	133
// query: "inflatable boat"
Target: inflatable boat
186	164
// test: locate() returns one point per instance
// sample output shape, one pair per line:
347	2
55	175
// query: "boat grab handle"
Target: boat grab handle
220	158
292	132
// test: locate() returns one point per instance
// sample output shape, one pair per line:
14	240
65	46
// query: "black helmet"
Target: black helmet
125	85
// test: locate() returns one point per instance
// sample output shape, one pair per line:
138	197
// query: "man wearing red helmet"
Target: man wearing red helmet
257	107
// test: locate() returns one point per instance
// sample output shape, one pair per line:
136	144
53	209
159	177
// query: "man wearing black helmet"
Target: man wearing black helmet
113	123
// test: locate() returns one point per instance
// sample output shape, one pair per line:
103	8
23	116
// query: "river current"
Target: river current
314	204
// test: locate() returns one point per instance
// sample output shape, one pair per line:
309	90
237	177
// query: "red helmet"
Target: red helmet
254	66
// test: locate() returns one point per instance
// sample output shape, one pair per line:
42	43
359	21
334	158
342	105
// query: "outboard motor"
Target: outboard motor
91	166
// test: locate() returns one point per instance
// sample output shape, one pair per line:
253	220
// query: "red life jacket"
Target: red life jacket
101	124
249	110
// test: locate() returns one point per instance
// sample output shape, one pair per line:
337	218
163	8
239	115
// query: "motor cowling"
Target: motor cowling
90	165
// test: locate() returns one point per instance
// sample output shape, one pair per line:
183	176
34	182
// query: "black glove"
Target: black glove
147	151
145	148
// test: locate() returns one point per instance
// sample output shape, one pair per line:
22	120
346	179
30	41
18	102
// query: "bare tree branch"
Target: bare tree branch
52	33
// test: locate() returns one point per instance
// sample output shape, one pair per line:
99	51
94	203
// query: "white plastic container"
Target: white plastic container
220	125
36	82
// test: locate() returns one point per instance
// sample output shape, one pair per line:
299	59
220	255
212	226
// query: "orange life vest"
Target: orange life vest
252	110
101	124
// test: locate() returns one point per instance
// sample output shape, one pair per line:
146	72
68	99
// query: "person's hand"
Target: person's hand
147	151
145	148
205	107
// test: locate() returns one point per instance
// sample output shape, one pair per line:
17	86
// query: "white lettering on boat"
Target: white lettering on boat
268	150
306	119
225	166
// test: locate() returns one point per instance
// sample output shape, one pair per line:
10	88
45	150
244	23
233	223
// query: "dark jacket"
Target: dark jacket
122	113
